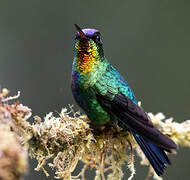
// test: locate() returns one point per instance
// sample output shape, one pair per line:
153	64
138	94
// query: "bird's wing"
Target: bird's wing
110	95
134	118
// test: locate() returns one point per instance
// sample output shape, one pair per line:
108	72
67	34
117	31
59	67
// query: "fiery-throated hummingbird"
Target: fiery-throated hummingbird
106	98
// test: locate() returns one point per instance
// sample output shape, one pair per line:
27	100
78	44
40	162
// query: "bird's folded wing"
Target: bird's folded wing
134	118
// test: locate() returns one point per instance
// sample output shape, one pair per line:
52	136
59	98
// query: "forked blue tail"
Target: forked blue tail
156	156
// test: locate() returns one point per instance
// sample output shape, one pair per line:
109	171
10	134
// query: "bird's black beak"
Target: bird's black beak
81	33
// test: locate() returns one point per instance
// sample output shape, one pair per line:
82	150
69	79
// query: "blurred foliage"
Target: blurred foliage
13	156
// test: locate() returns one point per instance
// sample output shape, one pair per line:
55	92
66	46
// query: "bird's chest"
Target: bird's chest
85	96
81	88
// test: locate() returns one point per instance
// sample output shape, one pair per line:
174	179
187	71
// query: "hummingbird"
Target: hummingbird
106	98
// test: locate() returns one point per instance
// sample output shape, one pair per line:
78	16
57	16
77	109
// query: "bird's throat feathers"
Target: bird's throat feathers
87	56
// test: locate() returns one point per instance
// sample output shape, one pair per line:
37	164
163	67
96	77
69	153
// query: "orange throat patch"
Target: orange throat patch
87	56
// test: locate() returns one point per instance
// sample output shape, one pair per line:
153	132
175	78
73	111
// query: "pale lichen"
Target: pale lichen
67	138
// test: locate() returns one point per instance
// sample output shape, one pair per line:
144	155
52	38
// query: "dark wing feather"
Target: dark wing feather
134	117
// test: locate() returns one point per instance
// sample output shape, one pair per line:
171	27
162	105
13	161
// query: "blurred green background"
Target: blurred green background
147	40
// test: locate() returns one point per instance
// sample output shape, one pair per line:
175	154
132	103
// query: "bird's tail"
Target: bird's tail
156	156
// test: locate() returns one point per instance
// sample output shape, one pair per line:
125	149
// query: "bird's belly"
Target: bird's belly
86	99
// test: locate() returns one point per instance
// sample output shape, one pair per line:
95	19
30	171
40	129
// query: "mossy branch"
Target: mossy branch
68	138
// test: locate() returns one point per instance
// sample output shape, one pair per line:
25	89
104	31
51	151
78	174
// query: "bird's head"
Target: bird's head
88	42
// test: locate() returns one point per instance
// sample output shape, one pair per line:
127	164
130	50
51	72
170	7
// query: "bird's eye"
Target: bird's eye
98	38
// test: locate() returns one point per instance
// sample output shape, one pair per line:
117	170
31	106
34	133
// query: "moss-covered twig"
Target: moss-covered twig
68	138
